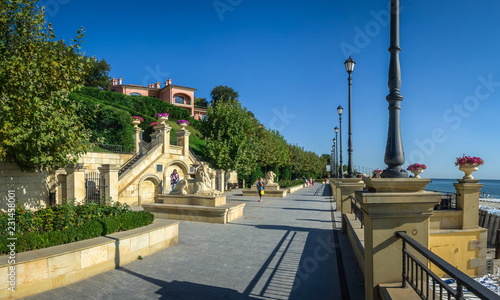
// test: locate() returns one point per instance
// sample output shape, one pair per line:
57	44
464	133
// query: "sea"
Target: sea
490	189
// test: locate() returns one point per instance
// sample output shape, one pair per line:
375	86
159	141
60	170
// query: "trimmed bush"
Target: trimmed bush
95	220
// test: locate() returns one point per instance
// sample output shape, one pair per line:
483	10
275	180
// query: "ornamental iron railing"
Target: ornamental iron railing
430	286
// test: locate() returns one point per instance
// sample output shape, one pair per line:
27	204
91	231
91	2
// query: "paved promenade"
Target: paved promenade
282	248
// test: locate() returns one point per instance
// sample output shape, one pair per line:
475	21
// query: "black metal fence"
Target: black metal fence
427	284
95	188
448	200
357	211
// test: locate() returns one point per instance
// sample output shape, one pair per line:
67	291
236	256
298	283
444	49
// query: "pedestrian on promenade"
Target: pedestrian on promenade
260	188
174	179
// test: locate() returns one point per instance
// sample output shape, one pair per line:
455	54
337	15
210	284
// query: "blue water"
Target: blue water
490	187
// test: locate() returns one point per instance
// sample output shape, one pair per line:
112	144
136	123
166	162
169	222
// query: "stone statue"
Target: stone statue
203	182
180	188
270	177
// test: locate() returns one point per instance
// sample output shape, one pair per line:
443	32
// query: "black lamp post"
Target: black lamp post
336	129
333	171
340	109
334	157
394	154
349	67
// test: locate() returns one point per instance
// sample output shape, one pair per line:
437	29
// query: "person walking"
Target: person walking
260	188
174	179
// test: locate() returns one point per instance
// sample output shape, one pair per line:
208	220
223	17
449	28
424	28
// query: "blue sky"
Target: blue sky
285	59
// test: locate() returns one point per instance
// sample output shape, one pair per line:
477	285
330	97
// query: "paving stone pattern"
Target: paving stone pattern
282	248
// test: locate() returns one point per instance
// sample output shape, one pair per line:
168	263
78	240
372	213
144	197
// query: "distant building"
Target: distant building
175	94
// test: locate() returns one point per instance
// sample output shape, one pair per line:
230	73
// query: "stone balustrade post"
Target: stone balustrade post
110	174
221	180
468	201
137	138
346	188
183	141
75	183
390	205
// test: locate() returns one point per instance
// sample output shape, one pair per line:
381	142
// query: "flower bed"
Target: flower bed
67	223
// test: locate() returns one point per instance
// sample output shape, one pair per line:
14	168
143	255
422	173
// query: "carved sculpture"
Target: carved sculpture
203	182
270	177
180	188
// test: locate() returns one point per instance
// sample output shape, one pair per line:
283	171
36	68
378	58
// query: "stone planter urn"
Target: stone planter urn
183	125
162	118
136	122
468	169
417	172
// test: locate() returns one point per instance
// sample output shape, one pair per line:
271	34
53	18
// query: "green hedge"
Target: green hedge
91	229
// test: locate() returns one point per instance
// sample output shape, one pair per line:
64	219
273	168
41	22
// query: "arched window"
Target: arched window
179	99
135	94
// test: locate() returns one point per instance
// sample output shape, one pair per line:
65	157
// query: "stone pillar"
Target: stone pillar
346	188
390	205
183	140
110	175
137	138
164	136
75	183
468	201
221	179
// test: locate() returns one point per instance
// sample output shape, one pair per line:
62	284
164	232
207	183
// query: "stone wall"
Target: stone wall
30	188
44	269
93	160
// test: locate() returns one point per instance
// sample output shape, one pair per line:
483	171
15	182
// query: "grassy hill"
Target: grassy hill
107	115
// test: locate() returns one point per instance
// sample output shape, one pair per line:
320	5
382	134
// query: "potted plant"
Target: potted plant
183	123
416	169
162	117
468	164
136	120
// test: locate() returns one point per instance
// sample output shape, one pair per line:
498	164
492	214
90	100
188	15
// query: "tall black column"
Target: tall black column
394	154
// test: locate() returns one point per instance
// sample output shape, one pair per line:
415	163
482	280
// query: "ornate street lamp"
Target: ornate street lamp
394	154
340	109
349	67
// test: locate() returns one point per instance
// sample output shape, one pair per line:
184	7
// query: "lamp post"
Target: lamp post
333	171
349	67
334	158
394	154
340	109
336	129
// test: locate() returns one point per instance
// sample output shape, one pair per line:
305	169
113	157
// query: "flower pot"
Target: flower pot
183	125
417	172
162	119
468	169
136	122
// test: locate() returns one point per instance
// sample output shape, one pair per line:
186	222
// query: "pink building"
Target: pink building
175	94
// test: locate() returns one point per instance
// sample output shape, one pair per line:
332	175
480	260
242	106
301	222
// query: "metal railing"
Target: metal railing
448	200
357	210
111	148
427	284
95	187
143	151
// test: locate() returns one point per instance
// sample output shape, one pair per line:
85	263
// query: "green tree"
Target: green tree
223	93
38	124
274	148
232	142
201	102
97	74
